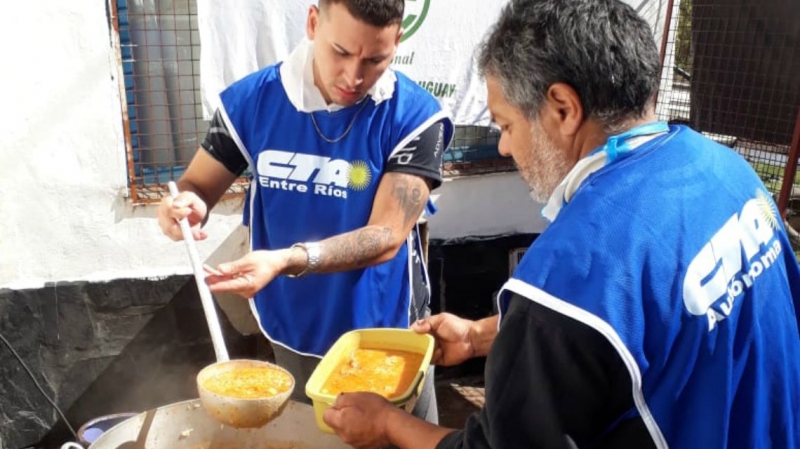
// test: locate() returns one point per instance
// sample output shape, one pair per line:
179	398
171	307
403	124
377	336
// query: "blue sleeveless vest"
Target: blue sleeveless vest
306	189
685	267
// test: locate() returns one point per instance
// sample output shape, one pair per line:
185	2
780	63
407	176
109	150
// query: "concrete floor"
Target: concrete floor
458	398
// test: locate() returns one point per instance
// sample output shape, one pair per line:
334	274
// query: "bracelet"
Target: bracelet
313	253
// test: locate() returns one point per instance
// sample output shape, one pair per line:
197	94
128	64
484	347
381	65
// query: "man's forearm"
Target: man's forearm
483	334
397	206
361	248
408	432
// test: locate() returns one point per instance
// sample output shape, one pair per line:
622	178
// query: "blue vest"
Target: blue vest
306	189
677	255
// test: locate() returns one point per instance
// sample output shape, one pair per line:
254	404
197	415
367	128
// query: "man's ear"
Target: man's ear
312	22
562	109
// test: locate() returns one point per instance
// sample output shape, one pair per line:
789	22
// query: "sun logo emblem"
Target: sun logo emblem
768	209
360	175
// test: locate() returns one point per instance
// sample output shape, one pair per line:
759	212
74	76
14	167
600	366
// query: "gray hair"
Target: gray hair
601	48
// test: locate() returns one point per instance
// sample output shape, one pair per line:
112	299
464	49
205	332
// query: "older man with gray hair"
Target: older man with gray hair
659	307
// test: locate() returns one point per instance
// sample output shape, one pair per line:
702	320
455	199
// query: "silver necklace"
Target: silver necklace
346	131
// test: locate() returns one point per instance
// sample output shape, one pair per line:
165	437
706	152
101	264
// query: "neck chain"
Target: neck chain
346	131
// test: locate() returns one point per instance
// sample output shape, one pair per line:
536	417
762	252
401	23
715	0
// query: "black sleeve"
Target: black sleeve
421	156
219	144
552	382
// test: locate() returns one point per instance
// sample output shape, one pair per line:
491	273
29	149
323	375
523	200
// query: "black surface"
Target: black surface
98	349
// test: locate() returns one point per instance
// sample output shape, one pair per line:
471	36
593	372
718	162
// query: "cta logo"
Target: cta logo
732	261
415	13
311	174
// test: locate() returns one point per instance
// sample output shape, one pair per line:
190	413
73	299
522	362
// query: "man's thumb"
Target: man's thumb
422	326
428	325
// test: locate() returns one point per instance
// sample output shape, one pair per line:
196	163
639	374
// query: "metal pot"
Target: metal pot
186	425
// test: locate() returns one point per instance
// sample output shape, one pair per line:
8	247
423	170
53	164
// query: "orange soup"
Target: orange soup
249	383
388	373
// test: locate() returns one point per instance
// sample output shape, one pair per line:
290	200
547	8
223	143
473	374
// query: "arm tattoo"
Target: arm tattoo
409	196
355	249
362	247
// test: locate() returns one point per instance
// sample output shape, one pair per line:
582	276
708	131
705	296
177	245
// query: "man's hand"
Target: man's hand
248	275
187	205
361	419
453	338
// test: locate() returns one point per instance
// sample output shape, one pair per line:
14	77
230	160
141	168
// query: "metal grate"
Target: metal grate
514	258
159	54
159	50
732	71
474	151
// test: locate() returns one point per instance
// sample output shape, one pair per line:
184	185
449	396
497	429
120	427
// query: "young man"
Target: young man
343	153
659	308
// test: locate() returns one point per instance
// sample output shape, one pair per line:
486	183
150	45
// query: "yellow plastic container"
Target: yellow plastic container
386	339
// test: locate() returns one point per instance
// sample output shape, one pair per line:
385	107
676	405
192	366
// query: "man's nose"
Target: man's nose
503	147
353	74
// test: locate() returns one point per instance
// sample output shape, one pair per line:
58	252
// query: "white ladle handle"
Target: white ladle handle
202	287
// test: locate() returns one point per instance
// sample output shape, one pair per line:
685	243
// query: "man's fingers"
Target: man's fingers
344	400
436	358
211	270
173	231
178	212
233	268
427	325
333	417
241	284
199	234
421	326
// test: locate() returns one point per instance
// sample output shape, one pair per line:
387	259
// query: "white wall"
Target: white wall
488	205
63	176
63	209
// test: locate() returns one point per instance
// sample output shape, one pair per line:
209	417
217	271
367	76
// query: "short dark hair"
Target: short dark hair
379	13
601	48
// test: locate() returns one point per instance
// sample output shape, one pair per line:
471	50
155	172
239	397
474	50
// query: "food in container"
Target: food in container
388	373
389	362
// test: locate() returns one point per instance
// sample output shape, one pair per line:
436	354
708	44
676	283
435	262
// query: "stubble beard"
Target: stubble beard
546	167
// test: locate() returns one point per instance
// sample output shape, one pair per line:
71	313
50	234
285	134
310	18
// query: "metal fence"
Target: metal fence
159	49
732	71
474	151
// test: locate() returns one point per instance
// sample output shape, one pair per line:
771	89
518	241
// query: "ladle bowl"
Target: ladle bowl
241	412
235	412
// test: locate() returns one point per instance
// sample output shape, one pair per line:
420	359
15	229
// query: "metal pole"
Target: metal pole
126	122
790	170
664	40
665	35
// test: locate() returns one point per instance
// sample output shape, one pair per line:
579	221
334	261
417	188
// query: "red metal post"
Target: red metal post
790	170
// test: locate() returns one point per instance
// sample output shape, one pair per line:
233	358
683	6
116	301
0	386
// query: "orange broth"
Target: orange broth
249	383
388	373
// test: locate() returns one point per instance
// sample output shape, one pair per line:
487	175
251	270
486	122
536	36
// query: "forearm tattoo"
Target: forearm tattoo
355	249
362	247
